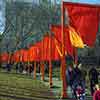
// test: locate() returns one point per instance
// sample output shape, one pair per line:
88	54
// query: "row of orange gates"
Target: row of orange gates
83	20
49	48
83	24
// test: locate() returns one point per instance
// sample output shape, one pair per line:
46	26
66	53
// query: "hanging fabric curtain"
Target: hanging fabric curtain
46	48
56	30
75	39
38	46
16	56
21	54
25	56
84	18
4	57
32	53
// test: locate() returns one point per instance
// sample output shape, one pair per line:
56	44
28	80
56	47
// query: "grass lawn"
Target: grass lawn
23	87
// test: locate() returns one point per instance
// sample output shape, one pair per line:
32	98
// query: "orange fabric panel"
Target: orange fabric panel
25	55
49	49
46	49
85	19
56	29
16	56
38	51
21	54
33	53
4	57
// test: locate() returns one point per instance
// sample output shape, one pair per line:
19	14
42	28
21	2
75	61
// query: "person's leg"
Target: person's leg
83	86
16	68
74	89
10	66
92	88
7	67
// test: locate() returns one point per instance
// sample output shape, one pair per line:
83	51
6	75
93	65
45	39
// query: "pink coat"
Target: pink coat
96	95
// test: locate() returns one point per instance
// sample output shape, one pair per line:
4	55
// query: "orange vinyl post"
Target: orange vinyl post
42	70
28	67
42	63
50	73
50	64
61	72
63	63
9	58
34	74
75	56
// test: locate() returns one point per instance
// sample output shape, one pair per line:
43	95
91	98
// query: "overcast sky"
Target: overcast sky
2	16
86	1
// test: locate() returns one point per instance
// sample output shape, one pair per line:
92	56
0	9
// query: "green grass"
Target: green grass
24	87
14	86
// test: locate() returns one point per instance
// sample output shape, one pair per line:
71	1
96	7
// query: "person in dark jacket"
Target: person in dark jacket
69	75
93	77
77	74
84	74
21	68
17	67
77	80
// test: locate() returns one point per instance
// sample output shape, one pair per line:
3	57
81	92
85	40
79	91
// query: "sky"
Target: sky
85	1
2	16
81	1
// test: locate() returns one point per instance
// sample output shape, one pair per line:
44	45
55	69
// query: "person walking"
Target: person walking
96	95
78	81
69	75
84	74
93	77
